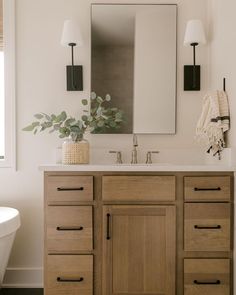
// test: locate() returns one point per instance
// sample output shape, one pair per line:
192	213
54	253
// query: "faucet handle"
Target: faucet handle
149	156
118	156
135	140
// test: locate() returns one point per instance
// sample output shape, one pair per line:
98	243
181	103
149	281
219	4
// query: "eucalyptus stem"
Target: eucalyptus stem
97	120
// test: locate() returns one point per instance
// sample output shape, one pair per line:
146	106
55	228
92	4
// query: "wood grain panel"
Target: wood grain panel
69	188
69	228
69	268
138	188
206	277
140	256
207	227
207	188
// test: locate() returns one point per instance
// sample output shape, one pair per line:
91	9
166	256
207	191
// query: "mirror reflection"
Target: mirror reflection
134	60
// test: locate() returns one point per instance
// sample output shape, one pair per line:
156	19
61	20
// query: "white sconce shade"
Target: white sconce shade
71	34
194	32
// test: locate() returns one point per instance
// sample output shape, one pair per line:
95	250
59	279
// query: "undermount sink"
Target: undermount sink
143	164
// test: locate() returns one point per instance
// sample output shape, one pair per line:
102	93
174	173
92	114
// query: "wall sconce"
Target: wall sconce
71	36
194	35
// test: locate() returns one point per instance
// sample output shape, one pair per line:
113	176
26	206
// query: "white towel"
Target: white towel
214	121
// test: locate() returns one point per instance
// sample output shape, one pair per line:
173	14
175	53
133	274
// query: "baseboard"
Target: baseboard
21	291
23	278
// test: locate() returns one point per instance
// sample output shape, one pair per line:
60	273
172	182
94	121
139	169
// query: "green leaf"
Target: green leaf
62	136
29	128
85	102
93	95
79	124
84	118
108	97
57	126
38	116
42	128
35	124
119	115
46	125
90	118
99	100
108	112
62	117
100	123
93	111
65	131
93	124
47	116
75	129
53	117
112	124
99	111
68	122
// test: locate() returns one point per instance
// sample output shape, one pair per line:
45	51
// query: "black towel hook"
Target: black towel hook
224	84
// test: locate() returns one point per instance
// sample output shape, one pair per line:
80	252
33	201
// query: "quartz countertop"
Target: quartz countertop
157	167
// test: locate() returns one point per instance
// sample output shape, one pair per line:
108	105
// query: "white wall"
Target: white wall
41	87
223	48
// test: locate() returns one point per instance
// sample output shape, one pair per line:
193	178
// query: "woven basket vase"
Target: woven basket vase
75	152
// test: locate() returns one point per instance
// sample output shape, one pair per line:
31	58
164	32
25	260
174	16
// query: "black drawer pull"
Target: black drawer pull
108	226
64	189
70	280
69	228
207	226
197	189
209	282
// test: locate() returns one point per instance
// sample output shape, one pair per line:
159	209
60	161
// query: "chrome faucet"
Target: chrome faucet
149	156
134	159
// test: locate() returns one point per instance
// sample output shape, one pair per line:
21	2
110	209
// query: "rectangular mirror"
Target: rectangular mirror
133	50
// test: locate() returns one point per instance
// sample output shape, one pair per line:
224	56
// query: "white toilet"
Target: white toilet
9	223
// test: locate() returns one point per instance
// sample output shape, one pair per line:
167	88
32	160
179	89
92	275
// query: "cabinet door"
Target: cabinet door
139	249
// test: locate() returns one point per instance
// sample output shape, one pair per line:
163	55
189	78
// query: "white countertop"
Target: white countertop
137	167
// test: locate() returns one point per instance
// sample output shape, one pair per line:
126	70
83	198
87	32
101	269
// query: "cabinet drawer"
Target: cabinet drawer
206	277
216	188
207	227
138	188
69	188
69	228
69	274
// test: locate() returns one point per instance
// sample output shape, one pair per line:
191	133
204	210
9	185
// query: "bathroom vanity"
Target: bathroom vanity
134	230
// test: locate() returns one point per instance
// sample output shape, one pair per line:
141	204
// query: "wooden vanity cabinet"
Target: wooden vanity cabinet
207	276
68	263
207	226
139	250
143	233
208	235
138	188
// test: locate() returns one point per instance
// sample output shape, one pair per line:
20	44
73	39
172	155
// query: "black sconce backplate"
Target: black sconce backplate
192	78
77	75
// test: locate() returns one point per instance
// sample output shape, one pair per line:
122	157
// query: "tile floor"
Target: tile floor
21	291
